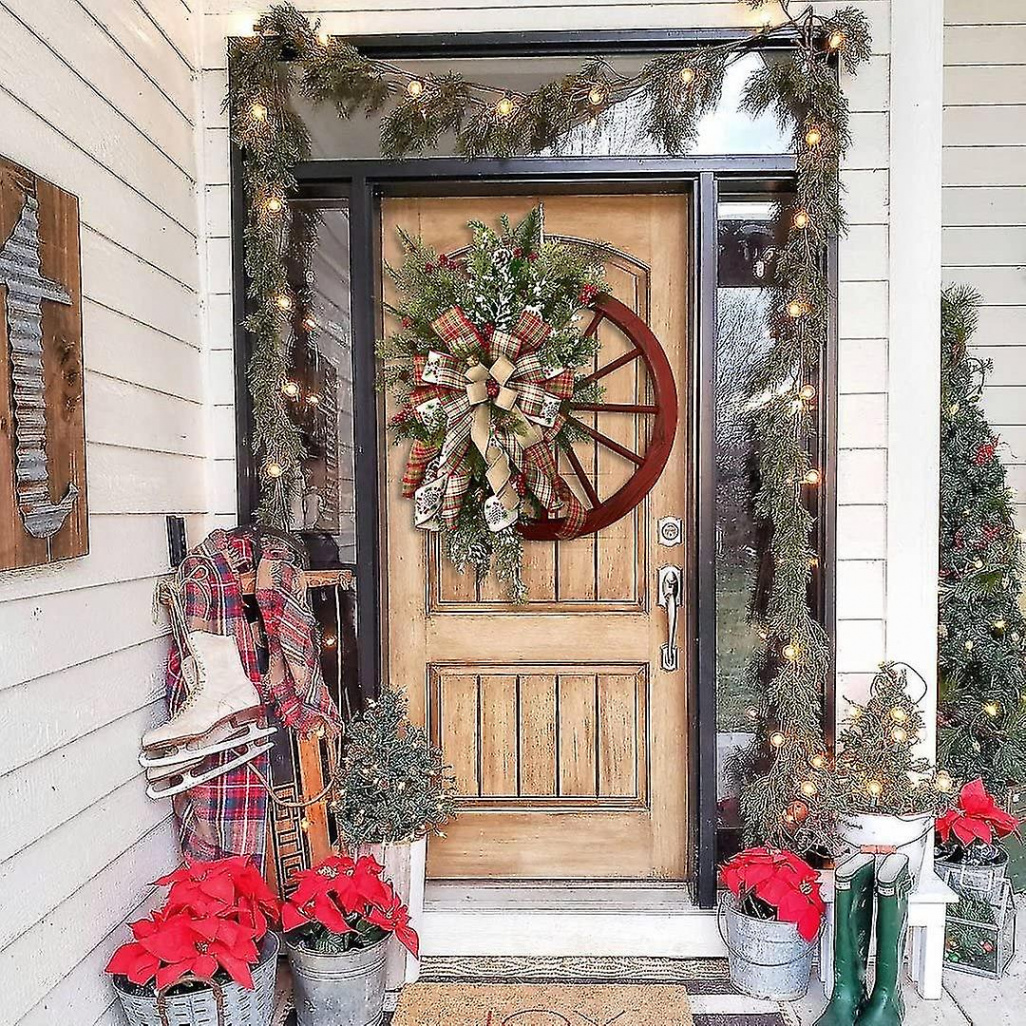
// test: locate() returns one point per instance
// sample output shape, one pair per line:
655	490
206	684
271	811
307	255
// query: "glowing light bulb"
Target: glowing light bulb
812	477
323	38
258	112
999	625
900	735
290	389
796	308
304	824
874	788
597	96
274	469
790	652
687	76
808	788
992	709
313	399
813	137
969	646
777	739
329	640
802	219
415	88
818	761
943	782
274	205
836	40
807	392
899	715
284	301
504	107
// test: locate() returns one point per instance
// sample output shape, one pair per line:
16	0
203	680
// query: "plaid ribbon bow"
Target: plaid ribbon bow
466	387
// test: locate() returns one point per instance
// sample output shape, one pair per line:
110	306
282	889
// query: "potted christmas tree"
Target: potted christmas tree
774	912
206	955
884	797
337	922
967	853
393	790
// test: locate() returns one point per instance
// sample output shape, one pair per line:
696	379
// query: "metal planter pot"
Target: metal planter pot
977	877
338	990
217	1005
767	959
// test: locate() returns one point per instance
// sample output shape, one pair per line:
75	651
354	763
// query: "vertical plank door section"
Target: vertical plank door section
567	740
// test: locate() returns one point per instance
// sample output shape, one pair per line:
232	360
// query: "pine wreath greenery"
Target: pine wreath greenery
392	785
288	54
982	632
492	282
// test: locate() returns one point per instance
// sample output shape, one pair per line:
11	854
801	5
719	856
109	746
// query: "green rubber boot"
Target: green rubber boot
853	924
886	1006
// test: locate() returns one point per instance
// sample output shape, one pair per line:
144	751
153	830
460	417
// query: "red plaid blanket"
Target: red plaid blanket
228	815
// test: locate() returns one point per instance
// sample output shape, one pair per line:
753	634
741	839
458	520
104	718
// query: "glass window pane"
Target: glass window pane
615	133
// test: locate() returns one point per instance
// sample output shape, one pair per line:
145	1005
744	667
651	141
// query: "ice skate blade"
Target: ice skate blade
174	746
188	780
217	742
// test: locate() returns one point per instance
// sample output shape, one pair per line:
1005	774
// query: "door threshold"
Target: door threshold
566	919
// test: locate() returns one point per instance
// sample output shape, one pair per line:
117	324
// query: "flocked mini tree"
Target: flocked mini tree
982	630
877	768
392	785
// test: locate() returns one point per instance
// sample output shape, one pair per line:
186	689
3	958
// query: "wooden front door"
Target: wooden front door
568	740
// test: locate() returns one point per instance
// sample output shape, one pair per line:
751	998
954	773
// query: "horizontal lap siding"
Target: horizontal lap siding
100	97
985	200
862	488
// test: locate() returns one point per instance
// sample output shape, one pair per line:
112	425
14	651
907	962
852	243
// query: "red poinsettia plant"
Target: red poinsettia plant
976	819
773	884
209	927
343	904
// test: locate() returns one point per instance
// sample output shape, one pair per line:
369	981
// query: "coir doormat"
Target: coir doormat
542	1004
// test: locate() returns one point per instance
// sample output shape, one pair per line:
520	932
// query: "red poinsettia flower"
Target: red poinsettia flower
976	817
783	881
341	892
232	887
169	945
396	919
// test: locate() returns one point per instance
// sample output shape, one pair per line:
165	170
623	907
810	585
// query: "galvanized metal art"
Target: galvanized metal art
43	514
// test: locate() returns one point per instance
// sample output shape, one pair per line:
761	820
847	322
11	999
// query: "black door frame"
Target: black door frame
361	184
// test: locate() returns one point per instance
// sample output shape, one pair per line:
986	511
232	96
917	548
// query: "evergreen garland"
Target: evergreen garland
392	785
288	54
982	632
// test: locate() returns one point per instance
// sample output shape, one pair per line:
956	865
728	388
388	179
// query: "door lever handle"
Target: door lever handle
670	591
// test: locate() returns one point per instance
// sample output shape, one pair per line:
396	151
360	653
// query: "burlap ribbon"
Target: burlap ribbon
497	396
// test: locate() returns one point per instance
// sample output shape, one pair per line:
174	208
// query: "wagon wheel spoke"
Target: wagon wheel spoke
613	365
582	476
595	321
614	408
609	443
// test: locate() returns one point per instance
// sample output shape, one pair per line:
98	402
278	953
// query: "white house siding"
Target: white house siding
101	97
985	199
862	488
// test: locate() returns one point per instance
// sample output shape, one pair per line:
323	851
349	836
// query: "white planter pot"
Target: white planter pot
875	832
405	865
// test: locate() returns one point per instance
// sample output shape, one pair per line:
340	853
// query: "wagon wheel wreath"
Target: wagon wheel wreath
490	368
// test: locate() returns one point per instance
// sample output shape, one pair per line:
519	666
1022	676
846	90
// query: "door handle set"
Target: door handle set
670	593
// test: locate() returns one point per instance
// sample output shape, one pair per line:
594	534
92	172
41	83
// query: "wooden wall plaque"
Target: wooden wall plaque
43	513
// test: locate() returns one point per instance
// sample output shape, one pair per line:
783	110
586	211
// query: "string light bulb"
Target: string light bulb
790	652
329	640
818	761
258	112
899	735
874	788
802	219
290	389
999	625
273	469
809	789
415	88
323	38
304	824
812	476
597	96
687	76
273	205
797	308
309	323
992	709
777	739
899	715
807	392
813	137
504	107
836	39
314	399
943	782
284	301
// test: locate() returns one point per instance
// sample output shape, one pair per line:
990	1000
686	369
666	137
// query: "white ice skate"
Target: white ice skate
220	714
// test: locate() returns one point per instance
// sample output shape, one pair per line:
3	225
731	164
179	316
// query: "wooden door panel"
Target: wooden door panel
566	738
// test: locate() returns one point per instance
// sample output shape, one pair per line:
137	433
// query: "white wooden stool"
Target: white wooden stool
927	906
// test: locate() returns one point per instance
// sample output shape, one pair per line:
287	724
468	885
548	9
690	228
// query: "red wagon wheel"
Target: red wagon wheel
644	346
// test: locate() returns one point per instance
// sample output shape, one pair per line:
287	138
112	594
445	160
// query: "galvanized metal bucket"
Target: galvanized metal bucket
214	1005
879	833
767	959
338	990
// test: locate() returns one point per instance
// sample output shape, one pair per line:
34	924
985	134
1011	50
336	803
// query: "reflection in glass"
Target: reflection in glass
320	396
749	233
615	132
